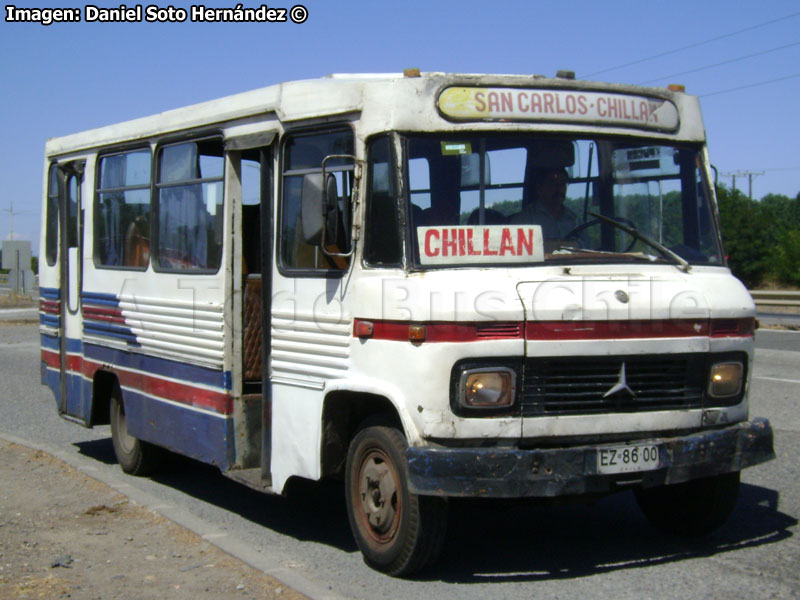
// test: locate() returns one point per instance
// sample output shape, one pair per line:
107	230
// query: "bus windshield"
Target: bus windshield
483	199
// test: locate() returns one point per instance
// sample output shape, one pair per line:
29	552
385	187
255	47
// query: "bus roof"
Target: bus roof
379	97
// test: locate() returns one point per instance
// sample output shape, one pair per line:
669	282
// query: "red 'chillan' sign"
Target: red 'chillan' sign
468	103
480	244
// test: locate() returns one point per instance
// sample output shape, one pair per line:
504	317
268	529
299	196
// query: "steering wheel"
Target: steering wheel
592	222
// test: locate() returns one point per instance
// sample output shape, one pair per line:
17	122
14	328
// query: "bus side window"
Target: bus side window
189	204
122	210
51	239
303	153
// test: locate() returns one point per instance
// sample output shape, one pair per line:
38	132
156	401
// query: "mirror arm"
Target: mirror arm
355	189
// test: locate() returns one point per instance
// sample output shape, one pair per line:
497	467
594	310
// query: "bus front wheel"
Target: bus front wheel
134	456
398	532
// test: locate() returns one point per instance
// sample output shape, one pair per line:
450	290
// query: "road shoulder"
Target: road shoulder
65	534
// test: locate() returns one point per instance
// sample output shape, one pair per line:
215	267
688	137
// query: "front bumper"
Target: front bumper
514	473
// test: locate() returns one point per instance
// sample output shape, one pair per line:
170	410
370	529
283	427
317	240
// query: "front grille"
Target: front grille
591	384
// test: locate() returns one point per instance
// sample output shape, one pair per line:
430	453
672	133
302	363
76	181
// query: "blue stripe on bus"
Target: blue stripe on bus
160	366
140	362
50	293
51	342
114	331
101	327
49	320
52	379
79	391
198	434
100	299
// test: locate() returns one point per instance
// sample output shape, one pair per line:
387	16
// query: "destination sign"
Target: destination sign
562	106
480	244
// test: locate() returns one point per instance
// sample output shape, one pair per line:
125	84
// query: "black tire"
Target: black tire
691	509
399	533
134	456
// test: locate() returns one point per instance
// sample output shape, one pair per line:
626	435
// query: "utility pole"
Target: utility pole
750	175
11	213
733	175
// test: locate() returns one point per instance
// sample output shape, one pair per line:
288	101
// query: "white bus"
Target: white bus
426	285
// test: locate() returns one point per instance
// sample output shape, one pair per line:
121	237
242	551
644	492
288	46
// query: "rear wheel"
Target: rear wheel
134	456
398	532
693	508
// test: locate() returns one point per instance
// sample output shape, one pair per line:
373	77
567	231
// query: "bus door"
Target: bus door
251	157
71	252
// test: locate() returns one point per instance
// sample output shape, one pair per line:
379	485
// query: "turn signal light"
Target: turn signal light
417	333
364	329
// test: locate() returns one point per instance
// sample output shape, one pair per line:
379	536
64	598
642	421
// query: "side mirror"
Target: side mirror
320	209
311	208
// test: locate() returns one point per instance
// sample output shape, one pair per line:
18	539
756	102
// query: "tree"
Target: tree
762	238
747	236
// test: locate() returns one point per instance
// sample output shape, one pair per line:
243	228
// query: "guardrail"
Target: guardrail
776	298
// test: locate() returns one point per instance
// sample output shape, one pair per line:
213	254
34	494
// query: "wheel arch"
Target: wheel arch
103	385
343	414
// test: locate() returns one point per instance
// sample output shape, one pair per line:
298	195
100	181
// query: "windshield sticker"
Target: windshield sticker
456	148
467	103
480	244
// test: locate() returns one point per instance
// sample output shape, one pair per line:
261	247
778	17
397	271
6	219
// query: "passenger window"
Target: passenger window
190	215
51	233
122	210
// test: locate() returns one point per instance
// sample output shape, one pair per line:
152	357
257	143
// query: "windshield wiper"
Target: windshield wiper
679	261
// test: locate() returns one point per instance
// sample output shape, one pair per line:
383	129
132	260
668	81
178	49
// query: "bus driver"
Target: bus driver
546	207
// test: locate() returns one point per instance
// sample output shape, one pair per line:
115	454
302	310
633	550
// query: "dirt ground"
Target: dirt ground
66	535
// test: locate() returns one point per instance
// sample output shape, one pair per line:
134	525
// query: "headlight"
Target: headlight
487	388
725	379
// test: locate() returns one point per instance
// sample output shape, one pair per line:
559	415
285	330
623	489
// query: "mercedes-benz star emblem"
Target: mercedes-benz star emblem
621	385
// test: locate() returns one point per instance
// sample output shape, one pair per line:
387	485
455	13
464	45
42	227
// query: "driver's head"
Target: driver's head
551	187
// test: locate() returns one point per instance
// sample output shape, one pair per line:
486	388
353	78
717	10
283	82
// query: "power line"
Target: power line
750	85
694	45
724	62
11	212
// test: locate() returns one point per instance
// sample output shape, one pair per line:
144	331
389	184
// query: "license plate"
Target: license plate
627	459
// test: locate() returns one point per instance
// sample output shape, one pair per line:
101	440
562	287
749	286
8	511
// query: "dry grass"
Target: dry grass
13	300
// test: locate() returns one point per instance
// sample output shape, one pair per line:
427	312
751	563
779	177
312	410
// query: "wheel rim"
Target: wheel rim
126	440
379	501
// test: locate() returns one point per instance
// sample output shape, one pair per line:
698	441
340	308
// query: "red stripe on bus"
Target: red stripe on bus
108	315
181	393
556	330
52	307
609	330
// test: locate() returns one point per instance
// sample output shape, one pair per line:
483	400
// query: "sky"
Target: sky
742	59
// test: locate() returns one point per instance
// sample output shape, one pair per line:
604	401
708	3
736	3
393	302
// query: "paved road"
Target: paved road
506	551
